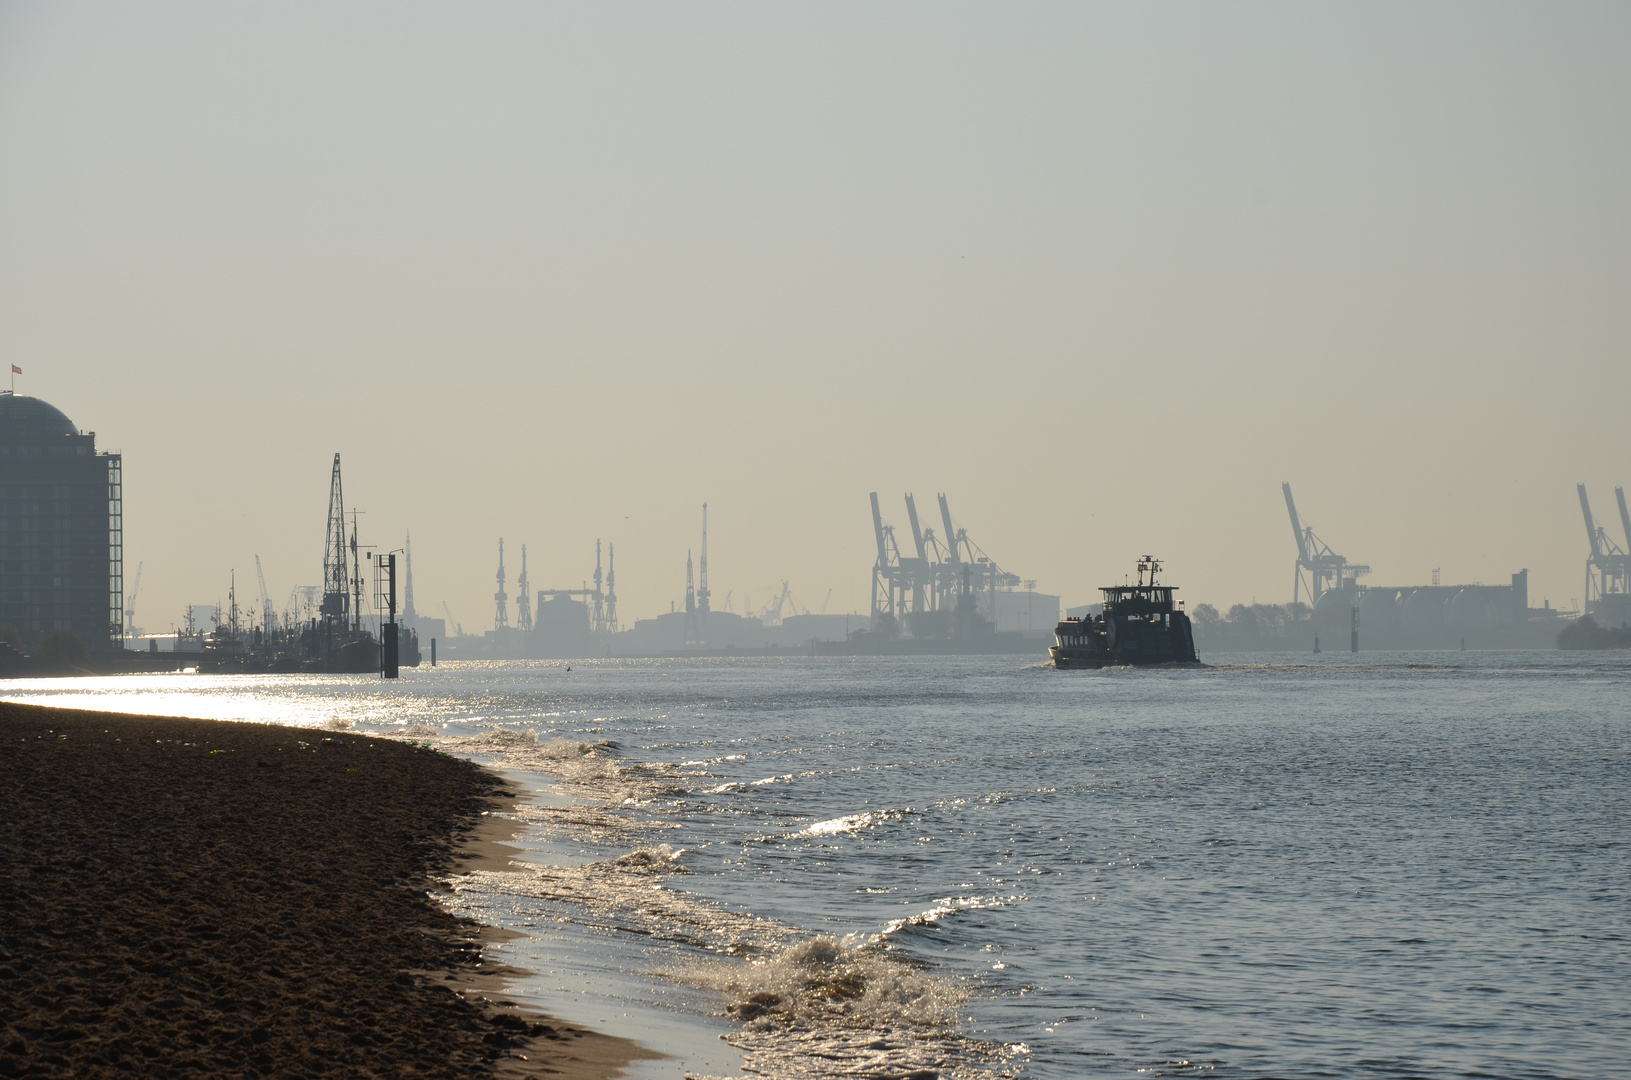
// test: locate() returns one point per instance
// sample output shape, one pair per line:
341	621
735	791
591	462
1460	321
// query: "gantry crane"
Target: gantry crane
1608	566
941	568
1319	569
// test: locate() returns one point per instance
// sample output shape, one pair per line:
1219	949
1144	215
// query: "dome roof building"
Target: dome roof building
61	528
26	418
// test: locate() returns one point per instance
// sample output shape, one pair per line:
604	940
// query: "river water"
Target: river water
1337	865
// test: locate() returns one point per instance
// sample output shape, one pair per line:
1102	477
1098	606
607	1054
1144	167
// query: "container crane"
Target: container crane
1608	567
130	601
935	574
1319	569
1619	495
887	576
966	560
918	569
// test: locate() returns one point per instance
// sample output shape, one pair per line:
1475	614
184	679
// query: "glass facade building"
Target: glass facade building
61	528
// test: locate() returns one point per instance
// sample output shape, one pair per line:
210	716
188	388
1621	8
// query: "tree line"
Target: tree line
1253	627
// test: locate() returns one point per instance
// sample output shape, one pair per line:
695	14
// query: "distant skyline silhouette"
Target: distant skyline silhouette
1105	275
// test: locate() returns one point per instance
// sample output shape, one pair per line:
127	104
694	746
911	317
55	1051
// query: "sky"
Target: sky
1106	275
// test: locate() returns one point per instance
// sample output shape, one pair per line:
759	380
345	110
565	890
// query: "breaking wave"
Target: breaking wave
825	980
809	1007
854	823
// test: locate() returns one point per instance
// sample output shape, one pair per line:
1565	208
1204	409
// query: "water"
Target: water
1290	865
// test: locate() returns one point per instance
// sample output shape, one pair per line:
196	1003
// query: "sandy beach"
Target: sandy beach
204	898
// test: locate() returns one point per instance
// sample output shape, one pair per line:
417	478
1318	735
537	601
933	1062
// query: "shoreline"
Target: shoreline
202	897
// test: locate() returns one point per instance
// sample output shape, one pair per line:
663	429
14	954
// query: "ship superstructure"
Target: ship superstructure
1140	624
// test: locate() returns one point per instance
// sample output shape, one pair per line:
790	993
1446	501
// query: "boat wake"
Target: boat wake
806	1006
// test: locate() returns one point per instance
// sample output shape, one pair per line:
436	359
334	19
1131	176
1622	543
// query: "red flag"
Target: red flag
15	370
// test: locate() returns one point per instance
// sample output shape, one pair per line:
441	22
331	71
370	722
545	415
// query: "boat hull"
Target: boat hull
1124	643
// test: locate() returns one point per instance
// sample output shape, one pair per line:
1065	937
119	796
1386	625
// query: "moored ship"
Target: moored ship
1140	624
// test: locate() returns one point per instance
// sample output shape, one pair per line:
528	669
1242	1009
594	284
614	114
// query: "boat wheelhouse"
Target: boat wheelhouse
1140	624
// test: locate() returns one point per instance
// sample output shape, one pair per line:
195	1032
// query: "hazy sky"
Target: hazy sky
1106	275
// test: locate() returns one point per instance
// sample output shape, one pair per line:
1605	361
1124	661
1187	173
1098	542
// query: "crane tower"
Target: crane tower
501	599
336	574
611	588
702	570
523	599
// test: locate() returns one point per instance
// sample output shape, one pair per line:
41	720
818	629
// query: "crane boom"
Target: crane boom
917	532
1619	495
950	535
1591	524
877	530
1296	523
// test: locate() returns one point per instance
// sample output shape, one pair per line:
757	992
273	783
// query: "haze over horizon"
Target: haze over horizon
1104	275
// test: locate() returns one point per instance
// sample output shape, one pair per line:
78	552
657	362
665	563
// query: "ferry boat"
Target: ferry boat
1141	624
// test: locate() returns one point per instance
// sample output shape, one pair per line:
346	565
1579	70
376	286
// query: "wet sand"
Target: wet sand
196	898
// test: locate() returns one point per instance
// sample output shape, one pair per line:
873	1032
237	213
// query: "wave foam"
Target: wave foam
501	736
951	905
825	1008
658	860
810	1008
853	823
823	981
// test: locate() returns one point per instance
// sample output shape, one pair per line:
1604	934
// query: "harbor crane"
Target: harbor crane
129	601
932	577
1319	569
501	599
772	612
887	577
336	585
1608	567
702	569
523	600
268	615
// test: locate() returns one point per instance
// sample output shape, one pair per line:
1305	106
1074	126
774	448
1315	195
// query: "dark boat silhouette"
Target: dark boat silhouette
1141	624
